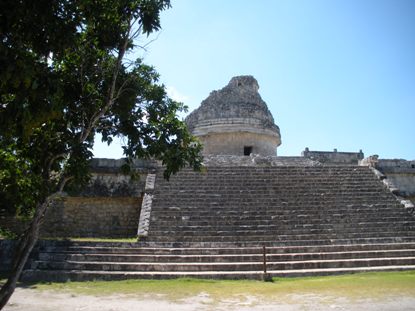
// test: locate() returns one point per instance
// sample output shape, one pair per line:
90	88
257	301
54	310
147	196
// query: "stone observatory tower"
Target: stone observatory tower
235	121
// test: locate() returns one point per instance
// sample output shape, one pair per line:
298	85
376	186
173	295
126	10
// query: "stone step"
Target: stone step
287	180
62	276
278	174
264	236
272	225
247	214
233	224
129	248
279	190
105	257
269	183
288	234
245	232
235	172
220	172
272	186
321	218
270	222
288	175
314	195
275	228
272	189
286	222
221	266
299	219
290	178
276	243
278	205
288	231
313	220
270	205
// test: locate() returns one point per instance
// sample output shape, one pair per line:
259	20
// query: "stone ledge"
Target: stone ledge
256	160
105	165
145	214
231	127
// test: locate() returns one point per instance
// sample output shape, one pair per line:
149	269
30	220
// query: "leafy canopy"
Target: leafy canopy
65	77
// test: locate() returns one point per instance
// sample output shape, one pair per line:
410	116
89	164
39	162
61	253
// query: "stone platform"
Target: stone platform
312	220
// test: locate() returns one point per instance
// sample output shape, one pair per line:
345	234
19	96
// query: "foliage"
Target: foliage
7	234
65	79
19	189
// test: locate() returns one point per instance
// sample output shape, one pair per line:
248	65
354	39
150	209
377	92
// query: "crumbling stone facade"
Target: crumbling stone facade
400	175
235	121
110	217
334	157
109	206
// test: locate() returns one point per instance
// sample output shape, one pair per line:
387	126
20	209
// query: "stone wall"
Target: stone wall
7	248
101	216
334	157
112	217
104	184
109	206
234	144
401	174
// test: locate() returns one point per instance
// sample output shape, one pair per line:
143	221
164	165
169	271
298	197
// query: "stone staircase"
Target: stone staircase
309	220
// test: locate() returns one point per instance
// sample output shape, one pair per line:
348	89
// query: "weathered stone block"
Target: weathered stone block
92	217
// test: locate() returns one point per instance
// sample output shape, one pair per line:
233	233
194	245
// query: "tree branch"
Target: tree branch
110	98
52	160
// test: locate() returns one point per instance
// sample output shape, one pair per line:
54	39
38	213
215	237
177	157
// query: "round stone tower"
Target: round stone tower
235	121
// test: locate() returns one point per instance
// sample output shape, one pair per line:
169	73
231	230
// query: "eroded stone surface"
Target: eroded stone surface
401	176
109	217
334	157
235	121
257	160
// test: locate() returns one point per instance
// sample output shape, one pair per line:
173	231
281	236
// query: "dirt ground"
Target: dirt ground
26	299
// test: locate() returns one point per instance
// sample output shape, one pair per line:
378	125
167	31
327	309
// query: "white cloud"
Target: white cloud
174	94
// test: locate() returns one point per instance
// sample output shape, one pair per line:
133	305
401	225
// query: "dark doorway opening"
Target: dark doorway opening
247	150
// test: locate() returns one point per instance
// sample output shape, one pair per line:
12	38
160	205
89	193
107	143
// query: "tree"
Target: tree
65	77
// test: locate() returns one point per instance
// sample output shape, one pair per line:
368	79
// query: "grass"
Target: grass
351	287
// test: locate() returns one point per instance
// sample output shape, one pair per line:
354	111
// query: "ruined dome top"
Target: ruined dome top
239	100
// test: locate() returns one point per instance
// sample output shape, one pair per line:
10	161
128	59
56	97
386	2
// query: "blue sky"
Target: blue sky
334	73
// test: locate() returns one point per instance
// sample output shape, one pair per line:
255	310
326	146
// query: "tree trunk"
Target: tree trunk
25	246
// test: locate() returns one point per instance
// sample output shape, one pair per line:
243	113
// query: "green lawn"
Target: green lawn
355	286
